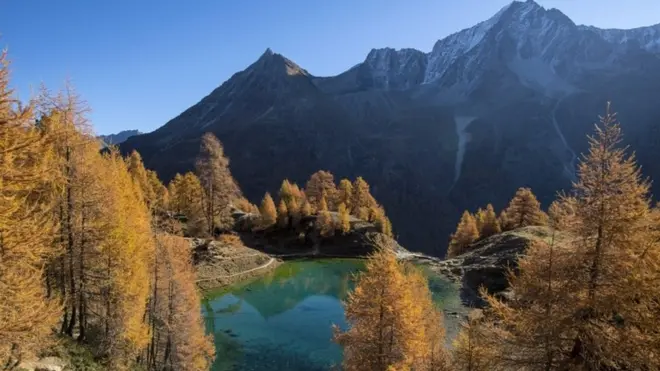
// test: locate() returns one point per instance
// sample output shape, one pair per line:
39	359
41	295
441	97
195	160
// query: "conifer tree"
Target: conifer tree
505	222
524	209
324	221
306	209
246	206
362	200
466	234
433	356
561	212
282	215
141	177
268	211
127	257
26	315
473	349
479	218
294	212
161	196
591	305
386	324
378	217
344	219
178	341
321	183
186	197
533	324
488	223
220	188
615	305
345	193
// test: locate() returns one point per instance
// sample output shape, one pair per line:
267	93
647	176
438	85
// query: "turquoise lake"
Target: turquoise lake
282	321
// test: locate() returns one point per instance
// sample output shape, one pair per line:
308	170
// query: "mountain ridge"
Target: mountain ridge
504	104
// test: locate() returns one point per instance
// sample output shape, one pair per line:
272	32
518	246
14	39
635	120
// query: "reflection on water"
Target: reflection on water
283	320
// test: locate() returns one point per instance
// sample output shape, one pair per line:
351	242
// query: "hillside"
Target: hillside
503	104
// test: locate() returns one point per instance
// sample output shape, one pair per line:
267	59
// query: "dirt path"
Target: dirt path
271	261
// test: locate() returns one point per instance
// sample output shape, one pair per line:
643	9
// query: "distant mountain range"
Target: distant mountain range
119	137
503	104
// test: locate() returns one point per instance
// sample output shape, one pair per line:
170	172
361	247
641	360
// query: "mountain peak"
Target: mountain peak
274	62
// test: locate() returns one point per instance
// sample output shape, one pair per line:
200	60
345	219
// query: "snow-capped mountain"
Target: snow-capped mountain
503	104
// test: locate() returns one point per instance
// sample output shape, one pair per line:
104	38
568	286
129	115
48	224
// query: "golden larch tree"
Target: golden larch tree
386	328
524	209
178	339
361	201
465	235
345	193
321	183
282	215
615	306
186	197
220	188
306	209
489	225
433	356
324	221
268	211
473	350
26	228
344	219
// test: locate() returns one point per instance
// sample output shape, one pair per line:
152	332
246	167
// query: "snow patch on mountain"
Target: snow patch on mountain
648	38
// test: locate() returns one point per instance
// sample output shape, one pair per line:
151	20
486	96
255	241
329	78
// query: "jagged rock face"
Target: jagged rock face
504	104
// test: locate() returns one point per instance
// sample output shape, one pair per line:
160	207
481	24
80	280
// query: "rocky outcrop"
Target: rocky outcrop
305	239
488	262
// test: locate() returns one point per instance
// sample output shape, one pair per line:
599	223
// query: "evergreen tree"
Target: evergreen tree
321	183
524	209
268	211
220	188
466	234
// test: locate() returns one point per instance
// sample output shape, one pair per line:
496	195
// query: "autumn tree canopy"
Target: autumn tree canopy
466	234
219	186
523	210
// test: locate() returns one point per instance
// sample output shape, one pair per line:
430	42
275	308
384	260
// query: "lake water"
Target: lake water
283	321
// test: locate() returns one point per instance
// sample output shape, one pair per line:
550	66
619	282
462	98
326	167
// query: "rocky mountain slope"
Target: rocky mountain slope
503	104
118	137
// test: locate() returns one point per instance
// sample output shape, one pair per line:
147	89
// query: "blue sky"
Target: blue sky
139	63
